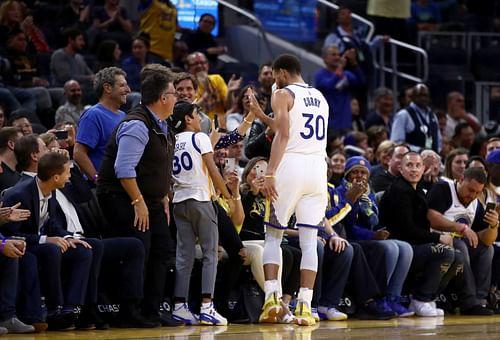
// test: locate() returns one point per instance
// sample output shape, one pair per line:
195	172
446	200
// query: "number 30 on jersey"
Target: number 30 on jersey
315	127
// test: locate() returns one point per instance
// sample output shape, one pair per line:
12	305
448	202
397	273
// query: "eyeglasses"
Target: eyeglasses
172	93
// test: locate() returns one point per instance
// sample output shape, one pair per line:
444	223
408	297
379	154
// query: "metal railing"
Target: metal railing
483	101
422	64
371	26
252	18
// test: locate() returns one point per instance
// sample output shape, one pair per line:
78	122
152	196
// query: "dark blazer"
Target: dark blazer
26	192
403	210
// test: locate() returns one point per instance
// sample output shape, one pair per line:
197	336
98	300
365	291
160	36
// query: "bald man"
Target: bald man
416	125
70	111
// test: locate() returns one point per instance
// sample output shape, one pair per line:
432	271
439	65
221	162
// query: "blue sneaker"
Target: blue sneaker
394	304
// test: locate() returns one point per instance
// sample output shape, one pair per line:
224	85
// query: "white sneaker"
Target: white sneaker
439	311
422	308
331	314
184	315
314	313
209	316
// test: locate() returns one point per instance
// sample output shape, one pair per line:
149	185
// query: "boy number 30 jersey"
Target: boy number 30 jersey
308	120
190	175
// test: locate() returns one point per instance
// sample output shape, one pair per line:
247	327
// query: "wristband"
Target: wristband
137	200
2	246
238	198
494	226
268	176
247	121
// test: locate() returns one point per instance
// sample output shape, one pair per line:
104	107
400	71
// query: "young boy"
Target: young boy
195	173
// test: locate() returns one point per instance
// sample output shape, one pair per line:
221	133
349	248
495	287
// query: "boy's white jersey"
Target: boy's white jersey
190	175
308	120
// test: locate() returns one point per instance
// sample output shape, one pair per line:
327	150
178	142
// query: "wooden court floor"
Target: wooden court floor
449	327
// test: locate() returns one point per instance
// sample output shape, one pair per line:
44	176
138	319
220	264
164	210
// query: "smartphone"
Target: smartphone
61	134
490	206
229	164
260	170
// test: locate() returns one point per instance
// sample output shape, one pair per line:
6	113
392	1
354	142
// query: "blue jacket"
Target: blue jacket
339	100
362	221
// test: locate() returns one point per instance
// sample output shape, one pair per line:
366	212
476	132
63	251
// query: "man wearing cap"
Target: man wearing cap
455	209
134	180
362	225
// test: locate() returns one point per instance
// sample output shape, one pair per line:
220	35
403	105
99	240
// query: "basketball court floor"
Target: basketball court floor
449	327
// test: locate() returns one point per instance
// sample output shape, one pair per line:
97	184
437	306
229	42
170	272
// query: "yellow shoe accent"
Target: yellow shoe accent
303	315
271	309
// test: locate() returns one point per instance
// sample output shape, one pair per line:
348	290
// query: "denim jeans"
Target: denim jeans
434	265
398	257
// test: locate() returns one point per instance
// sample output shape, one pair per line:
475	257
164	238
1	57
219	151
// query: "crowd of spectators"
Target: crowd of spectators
413	190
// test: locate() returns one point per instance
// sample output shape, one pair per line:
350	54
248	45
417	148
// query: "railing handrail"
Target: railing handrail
252	18
371	26
417	50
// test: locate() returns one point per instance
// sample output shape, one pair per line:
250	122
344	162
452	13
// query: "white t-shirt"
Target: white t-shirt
190	175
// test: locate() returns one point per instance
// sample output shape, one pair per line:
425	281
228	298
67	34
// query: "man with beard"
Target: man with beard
71	110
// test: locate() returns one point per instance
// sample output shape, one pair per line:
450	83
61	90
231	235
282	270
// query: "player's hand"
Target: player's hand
141	219
269	188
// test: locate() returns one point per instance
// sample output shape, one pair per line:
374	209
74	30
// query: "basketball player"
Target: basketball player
294	182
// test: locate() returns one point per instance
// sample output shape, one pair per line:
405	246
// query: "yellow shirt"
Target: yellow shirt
214	98
160	22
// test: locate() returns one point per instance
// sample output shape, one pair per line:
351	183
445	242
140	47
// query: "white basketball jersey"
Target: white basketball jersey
190	175
457	212
308	120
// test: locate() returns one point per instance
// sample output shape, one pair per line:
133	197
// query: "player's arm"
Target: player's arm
281	102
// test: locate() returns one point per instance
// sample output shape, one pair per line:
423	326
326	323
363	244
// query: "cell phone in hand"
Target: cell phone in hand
490	206
229	164
260	170
61	134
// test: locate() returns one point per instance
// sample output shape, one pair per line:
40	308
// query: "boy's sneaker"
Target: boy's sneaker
331	314
375	311
303	315
314	313
395	304
421	308
209	316
184	315
271	309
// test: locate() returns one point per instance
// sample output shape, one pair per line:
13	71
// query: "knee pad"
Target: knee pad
308	246
272	246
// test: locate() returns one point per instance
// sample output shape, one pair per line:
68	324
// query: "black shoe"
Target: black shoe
477	310
61	321
89	319
375	311
167	320
136	320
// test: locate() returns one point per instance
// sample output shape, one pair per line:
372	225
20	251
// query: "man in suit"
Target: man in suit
124	253
61	255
